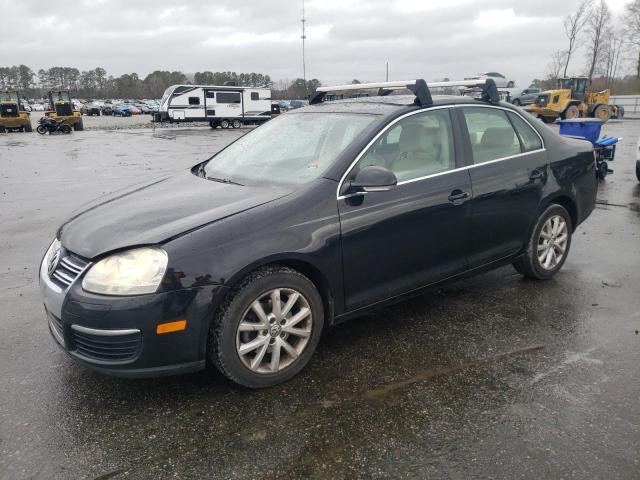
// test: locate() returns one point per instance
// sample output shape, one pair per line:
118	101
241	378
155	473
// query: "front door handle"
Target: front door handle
458	197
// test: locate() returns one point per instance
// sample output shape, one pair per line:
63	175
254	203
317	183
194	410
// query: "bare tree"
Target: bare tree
597	26
557	61
573	25
632	22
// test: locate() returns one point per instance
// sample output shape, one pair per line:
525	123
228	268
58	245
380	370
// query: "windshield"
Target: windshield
9	97
290	150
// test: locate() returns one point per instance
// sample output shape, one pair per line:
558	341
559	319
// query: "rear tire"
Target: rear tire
254	368
638	170
548	246
236	124
224	124
65	128
28	127
79	126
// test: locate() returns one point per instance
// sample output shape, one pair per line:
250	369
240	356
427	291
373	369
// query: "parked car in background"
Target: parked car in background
526	97
37	107
121	110
501	80
315	217
143	107
25	105
293	104
90	109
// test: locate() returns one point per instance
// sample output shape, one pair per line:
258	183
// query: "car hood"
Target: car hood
156	212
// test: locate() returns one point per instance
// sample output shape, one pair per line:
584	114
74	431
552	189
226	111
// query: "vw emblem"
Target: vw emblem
52	262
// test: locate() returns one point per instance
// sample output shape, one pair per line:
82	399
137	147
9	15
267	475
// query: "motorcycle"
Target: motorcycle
46	124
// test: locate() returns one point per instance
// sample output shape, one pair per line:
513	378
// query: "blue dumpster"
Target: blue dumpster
588	128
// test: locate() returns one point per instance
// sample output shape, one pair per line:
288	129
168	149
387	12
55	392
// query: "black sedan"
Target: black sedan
313	218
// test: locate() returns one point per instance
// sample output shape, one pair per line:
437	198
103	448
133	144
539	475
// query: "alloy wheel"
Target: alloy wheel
552	242
274	330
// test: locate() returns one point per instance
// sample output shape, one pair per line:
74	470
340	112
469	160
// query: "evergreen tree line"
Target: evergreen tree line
97	83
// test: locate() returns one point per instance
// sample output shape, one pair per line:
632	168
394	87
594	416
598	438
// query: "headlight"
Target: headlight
132	272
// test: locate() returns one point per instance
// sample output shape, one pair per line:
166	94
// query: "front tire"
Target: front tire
41	130
548	119
571	112
224	124
602	113
516	102
79	126
638	170
236	124
28	127
548	246
511	85
267	329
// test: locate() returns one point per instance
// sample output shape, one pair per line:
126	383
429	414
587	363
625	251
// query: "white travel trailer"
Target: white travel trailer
225	106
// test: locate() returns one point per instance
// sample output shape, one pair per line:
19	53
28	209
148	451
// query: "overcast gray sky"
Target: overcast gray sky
346	38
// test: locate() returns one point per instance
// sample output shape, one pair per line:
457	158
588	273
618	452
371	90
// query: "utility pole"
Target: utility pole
303	37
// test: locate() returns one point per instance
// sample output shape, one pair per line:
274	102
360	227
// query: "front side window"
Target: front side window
291	149
194	100
417	146
491	134
210	94
255	96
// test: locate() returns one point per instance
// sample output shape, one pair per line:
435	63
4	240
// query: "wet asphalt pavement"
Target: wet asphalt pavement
491	377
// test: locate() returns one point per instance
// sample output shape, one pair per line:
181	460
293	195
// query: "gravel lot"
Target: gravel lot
491	377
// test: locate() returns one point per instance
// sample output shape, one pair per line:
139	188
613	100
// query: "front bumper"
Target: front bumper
117	335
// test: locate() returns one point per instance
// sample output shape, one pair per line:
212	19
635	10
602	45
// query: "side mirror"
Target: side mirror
373	178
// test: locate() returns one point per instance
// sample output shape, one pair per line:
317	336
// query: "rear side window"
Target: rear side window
255	96
491	133
528	137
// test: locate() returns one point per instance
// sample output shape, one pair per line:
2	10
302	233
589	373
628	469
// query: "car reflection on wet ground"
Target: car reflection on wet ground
490	377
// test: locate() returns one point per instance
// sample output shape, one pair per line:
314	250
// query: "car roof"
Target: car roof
383	105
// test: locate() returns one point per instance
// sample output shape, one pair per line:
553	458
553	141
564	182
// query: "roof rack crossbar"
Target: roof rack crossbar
419	87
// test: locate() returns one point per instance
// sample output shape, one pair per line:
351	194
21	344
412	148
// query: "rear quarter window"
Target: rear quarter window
528	137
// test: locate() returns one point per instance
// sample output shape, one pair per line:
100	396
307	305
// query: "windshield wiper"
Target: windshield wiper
224	180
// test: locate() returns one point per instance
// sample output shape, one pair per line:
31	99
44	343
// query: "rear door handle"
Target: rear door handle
458	197
535	174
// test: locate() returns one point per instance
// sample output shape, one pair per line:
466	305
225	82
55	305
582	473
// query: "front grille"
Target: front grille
106	348
63	109
542	100
9	110
68	269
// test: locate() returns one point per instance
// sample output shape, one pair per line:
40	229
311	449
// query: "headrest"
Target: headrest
495	137
417	138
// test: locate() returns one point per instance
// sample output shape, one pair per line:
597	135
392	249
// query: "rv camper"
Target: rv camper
224	106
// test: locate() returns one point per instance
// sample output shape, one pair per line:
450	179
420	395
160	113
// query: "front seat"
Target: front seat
419	152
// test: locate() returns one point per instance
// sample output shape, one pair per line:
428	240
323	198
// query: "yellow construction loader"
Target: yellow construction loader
12	114
62	109
572	100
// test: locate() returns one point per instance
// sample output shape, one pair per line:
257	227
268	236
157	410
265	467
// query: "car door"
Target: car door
508	168
413	235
